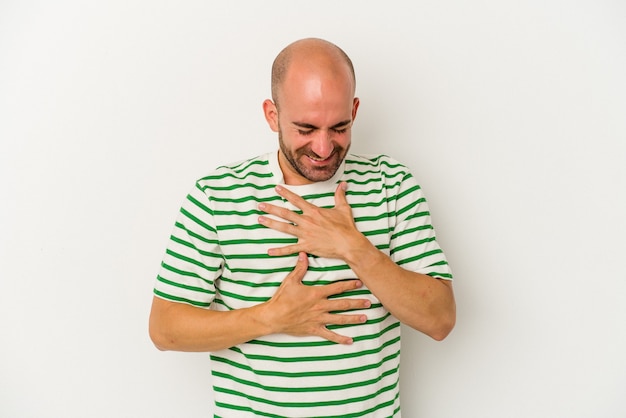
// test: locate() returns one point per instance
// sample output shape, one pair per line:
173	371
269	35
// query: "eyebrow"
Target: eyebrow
335	126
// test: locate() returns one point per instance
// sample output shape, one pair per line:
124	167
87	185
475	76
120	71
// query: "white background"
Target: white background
511	114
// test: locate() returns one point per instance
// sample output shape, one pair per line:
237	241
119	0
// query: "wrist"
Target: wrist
361	251
261	314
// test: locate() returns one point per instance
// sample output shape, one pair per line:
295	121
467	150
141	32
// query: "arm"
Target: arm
420	301
181	327
295	309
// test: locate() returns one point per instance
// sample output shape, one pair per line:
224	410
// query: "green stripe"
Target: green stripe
238	186
384	231
197	220
308	404
262	256
323	343
328	373
193	247
238	226
363	182
408	191
259	299
330	268
238	213
245	382
375	170
374	218
438	275
245	199
179	299
412	244
420	256
200	204
235	176
350	415
195	235
244	241
184	286
185	273
321	358
369	204
191	261
245	165
410	206
249	284
417	215
411	230
255	284
261	271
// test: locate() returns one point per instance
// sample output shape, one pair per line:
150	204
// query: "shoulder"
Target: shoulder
249	170
380	164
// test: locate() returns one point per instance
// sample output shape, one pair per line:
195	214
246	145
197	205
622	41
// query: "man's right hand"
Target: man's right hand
301	310
295	309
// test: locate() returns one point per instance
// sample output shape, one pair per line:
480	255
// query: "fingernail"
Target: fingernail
344	186
279	188
262	206
261	219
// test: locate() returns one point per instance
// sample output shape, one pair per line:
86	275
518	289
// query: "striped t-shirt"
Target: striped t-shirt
217	259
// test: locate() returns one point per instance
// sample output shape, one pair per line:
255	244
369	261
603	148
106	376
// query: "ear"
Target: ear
271	114
355	107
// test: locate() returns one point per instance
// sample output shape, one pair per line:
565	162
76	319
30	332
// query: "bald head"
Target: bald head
314	56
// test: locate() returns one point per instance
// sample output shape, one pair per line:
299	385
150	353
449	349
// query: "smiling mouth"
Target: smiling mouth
317	160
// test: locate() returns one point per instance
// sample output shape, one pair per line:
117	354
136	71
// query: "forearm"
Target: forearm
420	301
181	327
294	309
417	300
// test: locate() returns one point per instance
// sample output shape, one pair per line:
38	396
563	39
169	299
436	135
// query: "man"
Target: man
295	268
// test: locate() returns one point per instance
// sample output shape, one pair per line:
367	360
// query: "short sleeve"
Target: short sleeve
413	242
193	259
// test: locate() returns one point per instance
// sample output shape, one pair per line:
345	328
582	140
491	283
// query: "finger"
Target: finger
287	250
293	198
280	212
344	319
287	228
334	337
347	304
341	287
298	272
302	264
340	195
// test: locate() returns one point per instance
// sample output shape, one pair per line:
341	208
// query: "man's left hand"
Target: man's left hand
322	232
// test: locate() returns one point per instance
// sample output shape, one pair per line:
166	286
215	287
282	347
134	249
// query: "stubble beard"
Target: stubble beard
313	174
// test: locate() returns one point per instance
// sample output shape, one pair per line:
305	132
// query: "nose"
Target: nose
322	145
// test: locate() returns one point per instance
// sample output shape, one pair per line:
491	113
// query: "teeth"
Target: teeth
317	159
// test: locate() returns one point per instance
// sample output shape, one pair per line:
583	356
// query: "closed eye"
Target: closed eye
305	129
342	126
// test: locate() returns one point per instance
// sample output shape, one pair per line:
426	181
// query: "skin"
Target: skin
317	110
418	300
313	111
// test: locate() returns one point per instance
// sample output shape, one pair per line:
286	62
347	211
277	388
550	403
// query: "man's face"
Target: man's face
314	122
